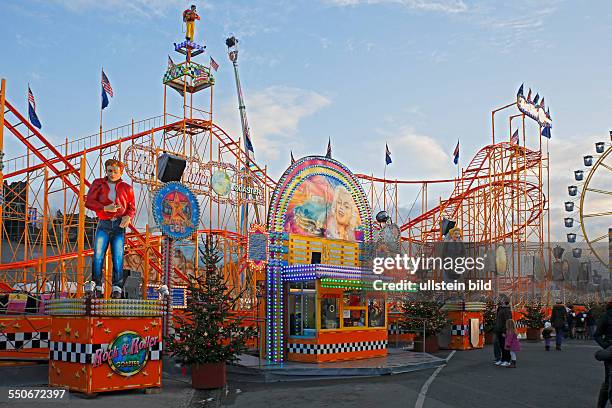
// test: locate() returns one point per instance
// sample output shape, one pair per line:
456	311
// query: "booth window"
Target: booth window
353	309
330	316
302	309
376	312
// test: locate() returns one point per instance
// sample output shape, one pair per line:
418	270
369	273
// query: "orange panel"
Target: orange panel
24	337
82	358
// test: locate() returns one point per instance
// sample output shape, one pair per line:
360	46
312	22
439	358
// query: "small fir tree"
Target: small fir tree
210	331
415	312
533	316
490	315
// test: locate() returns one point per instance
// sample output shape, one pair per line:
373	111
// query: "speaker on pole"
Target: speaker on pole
170	167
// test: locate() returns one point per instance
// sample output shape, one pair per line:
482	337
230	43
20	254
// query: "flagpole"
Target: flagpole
101	109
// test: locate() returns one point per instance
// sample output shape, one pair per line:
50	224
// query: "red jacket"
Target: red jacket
97	199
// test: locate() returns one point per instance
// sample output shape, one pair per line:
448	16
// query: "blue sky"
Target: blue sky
418	74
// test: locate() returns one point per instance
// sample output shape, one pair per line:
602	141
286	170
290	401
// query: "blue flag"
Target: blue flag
456	154
546	132
32	109
387	155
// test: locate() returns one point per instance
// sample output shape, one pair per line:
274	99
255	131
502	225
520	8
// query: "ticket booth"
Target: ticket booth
334	314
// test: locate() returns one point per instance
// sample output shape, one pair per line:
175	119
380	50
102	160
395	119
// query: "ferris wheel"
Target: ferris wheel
590	203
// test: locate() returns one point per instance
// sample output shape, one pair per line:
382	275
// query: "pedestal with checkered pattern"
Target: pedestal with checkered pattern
76	340
461	330
24	337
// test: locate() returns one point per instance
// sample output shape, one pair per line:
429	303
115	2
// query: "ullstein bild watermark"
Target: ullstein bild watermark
452	267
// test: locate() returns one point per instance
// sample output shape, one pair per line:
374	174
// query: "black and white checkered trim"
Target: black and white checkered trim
463	329
24	340
317	349
83	352
459	330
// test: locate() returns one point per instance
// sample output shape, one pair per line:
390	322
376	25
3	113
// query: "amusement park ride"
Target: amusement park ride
46	233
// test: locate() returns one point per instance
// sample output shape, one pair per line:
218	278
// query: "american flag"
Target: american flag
201	76
106	84
214	64
31	98
515	137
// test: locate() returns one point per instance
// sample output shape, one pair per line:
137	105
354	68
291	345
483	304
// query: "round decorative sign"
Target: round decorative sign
176	210
221	183
128	354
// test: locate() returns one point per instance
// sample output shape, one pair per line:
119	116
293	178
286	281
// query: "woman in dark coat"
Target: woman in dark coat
559	320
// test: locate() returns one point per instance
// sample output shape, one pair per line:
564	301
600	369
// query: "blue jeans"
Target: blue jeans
108	232
559	335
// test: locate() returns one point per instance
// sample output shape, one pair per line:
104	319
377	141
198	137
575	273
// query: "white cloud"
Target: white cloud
142	8
444	6
274	115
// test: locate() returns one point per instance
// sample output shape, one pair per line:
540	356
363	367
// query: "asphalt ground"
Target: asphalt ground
562	379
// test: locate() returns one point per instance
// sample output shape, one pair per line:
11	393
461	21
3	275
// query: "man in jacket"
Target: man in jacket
113	201
559	320
503	314
603	337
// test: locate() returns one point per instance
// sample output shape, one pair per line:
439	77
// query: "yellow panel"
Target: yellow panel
333	252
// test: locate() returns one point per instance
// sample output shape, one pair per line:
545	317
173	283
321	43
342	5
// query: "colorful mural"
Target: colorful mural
323	207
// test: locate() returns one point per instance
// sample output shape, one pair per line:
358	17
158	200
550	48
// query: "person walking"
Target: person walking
547	334
512	344
503	314
559	321
603	337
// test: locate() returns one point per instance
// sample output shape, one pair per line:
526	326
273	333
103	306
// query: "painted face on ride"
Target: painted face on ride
344	210
113	173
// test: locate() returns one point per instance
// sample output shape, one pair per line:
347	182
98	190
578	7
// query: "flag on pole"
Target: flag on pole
292	159
106	89
329	151
170	62
32	109
214	64
456	154
387	155
515	137
546	132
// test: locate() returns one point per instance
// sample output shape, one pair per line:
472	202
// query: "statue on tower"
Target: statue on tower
113	201
189	17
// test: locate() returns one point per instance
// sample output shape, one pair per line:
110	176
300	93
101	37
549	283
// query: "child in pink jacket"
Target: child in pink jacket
512	342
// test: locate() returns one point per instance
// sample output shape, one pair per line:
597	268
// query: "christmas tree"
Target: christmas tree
210	331
533	317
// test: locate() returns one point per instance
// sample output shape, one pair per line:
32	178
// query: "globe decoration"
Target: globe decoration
221	183
176	210
128	359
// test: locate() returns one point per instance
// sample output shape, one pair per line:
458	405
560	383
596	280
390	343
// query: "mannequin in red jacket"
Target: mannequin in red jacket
113	201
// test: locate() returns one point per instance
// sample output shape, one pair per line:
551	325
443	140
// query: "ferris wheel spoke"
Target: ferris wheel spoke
604	236
606	166
596	190
601	214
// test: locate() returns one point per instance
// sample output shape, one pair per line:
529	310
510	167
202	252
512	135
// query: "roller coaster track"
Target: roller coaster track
479	177
61	165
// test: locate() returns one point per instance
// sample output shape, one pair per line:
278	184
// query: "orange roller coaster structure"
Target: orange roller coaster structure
500	198
46	232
